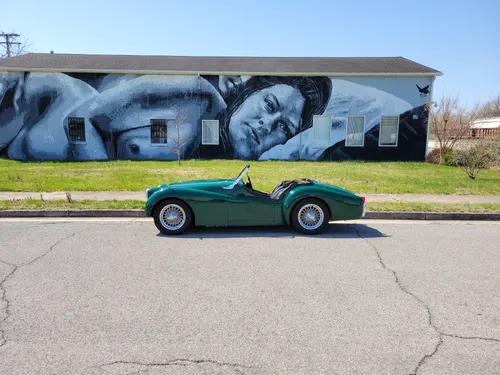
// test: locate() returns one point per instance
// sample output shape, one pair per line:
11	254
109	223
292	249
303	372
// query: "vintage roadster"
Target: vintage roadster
304	204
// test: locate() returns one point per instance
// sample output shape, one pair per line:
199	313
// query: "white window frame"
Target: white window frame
380	131
364	131
327	143
203	141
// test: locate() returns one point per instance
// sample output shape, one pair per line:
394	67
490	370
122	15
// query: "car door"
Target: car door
245	207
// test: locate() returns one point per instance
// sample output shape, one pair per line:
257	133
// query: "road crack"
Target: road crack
5	300
47	252
430	317
145	366
405	290
471	337
15	268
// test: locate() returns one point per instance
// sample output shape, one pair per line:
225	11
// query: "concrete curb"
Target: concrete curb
469	216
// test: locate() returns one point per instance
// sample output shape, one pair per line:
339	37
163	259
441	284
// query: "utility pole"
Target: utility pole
9	41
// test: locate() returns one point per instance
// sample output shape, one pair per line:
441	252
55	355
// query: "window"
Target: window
355	131
76	129
210	132
321	130
158	131
388	135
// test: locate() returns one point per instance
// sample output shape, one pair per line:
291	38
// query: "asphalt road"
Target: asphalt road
107	297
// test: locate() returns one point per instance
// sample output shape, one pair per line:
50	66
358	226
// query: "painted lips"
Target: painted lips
253	134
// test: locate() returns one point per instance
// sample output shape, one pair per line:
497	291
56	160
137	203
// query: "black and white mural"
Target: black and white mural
259	117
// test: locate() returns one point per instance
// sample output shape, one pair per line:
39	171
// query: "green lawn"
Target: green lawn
359	177
37	204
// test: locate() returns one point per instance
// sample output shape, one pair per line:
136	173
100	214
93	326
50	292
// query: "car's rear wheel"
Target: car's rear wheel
310	216
172	216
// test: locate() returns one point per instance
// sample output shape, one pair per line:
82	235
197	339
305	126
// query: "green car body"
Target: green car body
231	202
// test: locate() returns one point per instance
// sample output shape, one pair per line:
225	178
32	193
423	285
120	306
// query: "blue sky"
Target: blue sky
459	38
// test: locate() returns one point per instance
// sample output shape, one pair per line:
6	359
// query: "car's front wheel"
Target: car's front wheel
309	216
172	216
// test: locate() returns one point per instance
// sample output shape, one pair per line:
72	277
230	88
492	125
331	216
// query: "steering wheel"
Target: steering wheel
249	183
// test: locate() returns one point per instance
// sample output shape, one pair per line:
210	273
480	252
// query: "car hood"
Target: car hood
196	184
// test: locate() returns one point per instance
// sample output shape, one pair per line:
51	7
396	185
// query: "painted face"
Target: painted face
126	109
136	144
11	115
267	118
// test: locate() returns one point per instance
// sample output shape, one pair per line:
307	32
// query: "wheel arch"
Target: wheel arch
160	201
302	199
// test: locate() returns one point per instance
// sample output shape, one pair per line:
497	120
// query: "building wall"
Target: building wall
259	117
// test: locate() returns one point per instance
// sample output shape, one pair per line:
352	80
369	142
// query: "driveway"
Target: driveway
112	296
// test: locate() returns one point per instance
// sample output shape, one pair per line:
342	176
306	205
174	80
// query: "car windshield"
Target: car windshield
237	179
240	176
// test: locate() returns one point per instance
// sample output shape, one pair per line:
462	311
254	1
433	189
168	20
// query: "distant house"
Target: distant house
486	128
108	107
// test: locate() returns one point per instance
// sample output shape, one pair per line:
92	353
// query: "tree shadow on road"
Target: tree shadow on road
332	230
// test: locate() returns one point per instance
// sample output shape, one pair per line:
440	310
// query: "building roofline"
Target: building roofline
217	65
221	72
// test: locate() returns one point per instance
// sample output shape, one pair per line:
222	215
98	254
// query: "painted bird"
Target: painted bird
424	90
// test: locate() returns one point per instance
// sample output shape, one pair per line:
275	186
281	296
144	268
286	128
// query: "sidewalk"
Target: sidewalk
141	195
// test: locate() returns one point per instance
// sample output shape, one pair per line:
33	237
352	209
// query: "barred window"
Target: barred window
158	131
389	126
76	129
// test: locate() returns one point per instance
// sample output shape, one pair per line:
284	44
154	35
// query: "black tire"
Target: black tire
317	207
178	207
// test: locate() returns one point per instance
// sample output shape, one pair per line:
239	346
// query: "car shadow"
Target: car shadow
332	230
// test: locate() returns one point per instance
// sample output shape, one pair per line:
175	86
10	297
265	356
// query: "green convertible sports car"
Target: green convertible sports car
304	204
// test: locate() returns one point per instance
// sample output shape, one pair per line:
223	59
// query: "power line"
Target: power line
9	41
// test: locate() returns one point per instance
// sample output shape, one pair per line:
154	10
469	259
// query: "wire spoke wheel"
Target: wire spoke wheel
310	216
172	217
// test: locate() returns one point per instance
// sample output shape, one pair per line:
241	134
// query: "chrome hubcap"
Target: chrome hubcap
172	217
311	216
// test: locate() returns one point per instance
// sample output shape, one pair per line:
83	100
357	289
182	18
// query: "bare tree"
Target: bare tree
12	45
450	122
178	138
490	108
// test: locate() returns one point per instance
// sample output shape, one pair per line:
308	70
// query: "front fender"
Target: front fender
342	206
190	196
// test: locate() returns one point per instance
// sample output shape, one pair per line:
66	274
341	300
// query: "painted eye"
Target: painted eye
284	129
135	148
269	105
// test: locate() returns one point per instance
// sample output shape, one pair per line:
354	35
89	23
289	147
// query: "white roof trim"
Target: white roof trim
489	123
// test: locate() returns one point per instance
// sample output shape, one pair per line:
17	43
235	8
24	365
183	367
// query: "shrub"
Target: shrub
476	158
449	158
495	145
433	156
